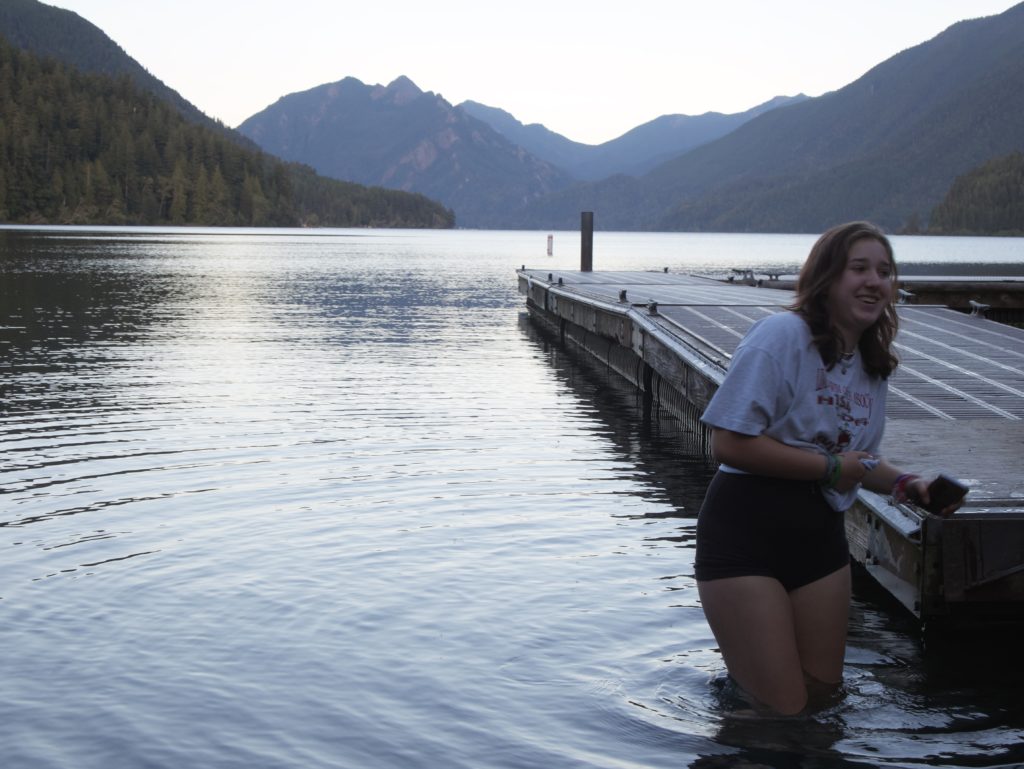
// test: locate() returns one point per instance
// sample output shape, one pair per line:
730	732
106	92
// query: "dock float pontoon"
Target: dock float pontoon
956	405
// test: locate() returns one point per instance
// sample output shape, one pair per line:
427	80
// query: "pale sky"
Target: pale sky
589	70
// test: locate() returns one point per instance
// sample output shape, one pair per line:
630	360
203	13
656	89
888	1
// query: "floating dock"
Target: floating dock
956	405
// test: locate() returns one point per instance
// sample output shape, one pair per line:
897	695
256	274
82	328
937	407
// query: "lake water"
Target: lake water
300	499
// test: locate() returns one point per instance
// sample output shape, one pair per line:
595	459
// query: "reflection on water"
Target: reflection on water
330	499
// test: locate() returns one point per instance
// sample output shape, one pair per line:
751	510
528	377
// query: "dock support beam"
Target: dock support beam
587	241
647	391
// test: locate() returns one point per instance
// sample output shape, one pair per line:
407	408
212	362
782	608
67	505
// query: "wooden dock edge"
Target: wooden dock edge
949	572
668	372
928	564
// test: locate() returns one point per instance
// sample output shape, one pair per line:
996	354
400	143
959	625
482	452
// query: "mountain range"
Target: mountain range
635	152
476	159
403	138
888	146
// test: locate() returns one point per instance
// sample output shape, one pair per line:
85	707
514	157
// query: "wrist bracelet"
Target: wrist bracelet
833	471
830	461
899	488
837	471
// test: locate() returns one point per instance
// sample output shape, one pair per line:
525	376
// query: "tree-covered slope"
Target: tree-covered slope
988	200
64	35
86	148
886	147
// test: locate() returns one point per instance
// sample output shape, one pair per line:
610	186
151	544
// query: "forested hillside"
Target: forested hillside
85	148
48	31
988	200
886	147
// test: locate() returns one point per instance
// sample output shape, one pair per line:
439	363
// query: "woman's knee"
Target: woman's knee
793	706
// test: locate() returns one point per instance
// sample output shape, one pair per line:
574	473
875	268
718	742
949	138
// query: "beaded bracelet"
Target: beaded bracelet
899	488
833	471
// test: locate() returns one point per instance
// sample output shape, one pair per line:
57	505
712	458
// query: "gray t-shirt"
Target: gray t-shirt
777	385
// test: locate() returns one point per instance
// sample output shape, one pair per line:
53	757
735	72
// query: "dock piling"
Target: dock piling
587	241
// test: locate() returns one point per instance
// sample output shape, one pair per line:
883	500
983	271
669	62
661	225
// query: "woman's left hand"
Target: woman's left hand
918	490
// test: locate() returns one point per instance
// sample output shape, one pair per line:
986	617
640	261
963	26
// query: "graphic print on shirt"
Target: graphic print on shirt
852	410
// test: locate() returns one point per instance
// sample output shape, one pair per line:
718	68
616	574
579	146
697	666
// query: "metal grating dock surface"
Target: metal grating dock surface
661	287
952	365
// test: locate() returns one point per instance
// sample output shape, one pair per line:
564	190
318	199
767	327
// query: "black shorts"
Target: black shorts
750	525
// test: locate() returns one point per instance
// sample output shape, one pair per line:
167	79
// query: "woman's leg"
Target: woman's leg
753	621
821	612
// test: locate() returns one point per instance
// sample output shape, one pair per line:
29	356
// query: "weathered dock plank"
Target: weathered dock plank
956	405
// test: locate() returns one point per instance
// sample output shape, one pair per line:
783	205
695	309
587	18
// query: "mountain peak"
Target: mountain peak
399	91
400	137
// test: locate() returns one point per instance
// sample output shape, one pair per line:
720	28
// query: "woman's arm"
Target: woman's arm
762	455
883	478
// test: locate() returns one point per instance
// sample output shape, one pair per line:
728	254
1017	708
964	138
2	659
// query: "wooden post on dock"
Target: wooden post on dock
587	241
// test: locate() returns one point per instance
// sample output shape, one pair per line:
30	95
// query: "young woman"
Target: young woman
796	425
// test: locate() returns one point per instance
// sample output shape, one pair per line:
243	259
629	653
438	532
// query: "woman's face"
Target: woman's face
861	292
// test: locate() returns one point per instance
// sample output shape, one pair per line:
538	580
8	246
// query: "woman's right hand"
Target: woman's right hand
853	470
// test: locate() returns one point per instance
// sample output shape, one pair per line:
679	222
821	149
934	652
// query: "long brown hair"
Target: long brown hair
824	265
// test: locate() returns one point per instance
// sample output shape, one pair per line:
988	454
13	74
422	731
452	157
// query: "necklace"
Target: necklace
846	360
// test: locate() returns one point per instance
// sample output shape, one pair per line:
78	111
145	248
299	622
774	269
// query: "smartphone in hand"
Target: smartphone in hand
943	492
